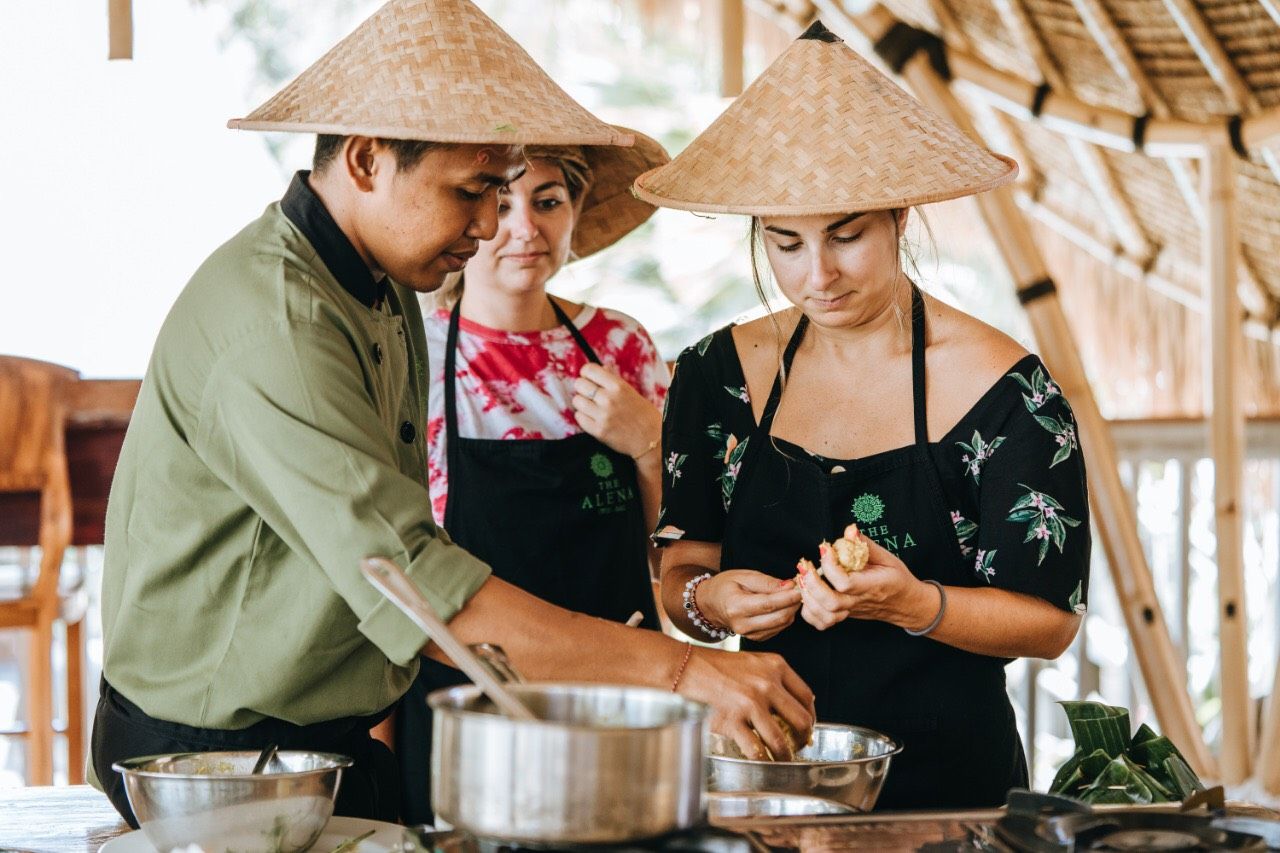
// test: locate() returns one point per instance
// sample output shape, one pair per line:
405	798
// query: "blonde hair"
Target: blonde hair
578	177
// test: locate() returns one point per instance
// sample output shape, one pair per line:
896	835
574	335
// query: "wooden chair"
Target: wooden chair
33	468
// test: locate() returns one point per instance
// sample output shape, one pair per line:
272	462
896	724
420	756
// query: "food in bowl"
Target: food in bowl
214	801
844	763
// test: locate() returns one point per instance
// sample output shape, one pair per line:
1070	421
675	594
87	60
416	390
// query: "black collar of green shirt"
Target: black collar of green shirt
305	210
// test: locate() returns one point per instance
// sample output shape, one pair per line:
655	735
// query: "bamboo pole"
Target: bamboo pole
1226	437
1113	512
732	34
119	29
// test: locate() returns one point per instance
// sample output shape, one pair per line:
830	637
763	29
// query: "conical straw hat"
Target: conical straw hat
610	211
822	131
431	70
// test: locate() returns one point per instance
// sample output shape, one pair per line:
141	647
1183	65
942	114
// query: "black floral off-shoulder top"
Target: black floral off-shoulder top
1012	473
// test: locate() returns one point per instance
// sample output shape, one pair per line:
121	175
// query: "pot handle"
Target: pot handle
496	661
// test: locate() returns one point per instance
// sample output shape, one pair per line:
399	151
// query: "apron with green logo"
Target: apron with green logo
559	518
947	707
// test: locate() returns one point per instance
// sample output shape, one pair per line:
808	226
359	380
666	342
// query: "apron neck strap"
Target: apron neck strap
775	393
917	367
450	370
917	370
575	331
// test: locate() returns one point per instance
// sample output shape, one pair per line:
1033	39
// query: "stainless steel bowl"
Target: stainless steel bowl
847	764
211	799
601	764
756	804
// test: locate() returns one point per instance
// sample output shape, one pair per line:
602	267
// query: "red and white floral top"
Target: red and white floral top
519	385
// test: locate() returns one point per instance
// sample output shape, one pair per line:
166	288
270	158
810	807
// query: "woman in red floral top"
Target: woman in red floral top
544	419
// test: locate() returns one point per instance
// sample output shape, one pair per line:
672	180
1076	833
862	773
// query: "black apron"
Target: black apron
561	519
948	708
370	788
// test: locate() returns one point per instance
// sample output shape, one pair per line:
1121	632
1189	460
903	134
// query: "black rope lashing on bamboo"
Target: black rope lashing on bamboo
1042	95
903	41
1235	132
1140	132
1036	290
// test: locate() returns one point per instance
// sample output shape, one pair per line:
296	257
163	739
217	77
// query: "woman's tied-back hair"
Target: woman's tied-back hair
578	177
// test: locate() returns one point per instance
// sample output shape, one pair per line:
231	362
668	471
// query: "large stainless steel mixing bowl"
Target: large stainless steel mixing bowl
847	764
212	800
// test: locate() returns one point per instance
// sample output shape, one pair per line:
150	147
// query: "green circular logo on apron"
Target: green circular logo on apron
868	508
601	466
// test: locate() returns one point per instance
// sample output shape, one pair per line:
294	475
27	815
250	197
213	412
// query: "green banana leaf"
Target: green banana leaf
1185	782
1117	784
1110	766
1098	726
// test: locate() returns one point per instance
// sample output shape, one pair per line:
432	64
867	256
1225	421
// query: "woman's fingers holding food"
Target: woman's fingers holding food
767	625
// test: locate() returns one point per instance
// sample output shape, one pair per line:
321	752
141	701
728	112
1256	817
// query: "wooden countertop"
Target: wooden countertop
75	819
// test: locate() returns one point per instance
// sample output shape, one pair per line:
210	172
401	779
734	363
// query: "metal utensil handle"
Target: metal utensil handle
264	758
391	581
495	659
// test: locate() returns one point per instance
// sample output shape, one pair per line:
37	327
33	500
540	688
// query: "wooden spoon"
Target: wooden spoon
391	581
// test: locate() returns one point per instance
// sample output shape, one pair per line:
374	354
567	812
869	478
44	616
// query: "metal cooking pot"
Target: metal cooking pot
601	764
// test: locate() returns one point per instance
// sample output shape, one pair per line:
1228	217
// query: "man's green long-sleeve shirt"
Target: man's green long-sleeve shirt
278	439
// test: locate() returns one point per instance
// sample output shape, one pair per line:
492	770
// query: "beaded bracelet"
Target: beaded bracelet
695	615
684	664
937	620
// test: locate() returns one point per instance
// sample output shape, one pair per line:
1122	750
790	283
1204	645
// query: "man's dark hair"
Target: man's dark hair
408	152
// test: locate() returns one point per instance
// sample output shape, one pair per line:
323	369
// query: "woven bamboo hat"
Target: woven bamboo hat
822	131
610	211
431	70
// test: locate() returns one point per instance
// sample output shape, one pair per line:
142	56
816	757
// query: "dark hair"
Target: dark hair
408	152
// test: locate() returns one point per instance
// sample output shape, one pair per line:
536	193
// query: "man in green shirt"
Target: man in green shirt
278	438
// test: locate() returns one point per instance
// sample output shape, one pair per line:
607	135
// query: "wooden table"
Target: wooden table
76	819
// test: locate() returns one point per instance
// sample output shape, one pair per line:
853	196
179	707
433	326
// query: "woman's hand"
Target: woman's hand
608	408
750	604
744	690
884	591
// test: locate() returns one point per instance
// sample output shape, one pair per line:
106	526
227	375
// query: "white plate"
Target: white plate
387	838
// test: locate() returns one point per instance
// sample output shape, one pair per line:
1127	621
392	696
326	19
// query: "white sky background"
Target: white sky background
122	175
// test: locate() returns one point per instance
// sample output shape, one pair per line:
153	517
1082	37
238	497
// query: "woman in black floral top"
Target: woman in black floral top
870	403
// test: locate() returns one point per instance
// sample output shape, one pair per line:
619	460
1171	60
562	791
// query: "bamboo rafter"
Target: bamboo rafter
1102	27
119	29
1116	206
1273	9
1215	60
1106	126
1129	267
732	40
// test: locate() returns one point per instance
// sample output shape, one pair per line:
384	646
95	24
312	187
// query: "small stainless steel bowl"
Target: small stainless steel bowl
744	805
847	764
211	799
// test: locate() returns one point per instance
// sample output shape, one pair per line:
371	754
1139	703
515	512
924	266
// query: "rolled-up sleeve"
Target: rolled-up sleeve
286	420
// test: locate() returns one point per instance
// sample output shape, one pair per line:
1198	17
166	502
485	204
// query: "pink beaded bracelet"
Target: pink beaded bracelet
703	624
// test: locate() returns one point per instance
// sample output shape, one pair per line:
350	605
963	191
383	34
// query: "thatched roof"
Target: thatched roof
1122	229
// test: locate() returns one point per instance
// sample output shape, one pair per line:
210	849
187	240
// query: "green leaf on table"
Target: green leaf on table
1185	782
1118	784
1097	726
1068	776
